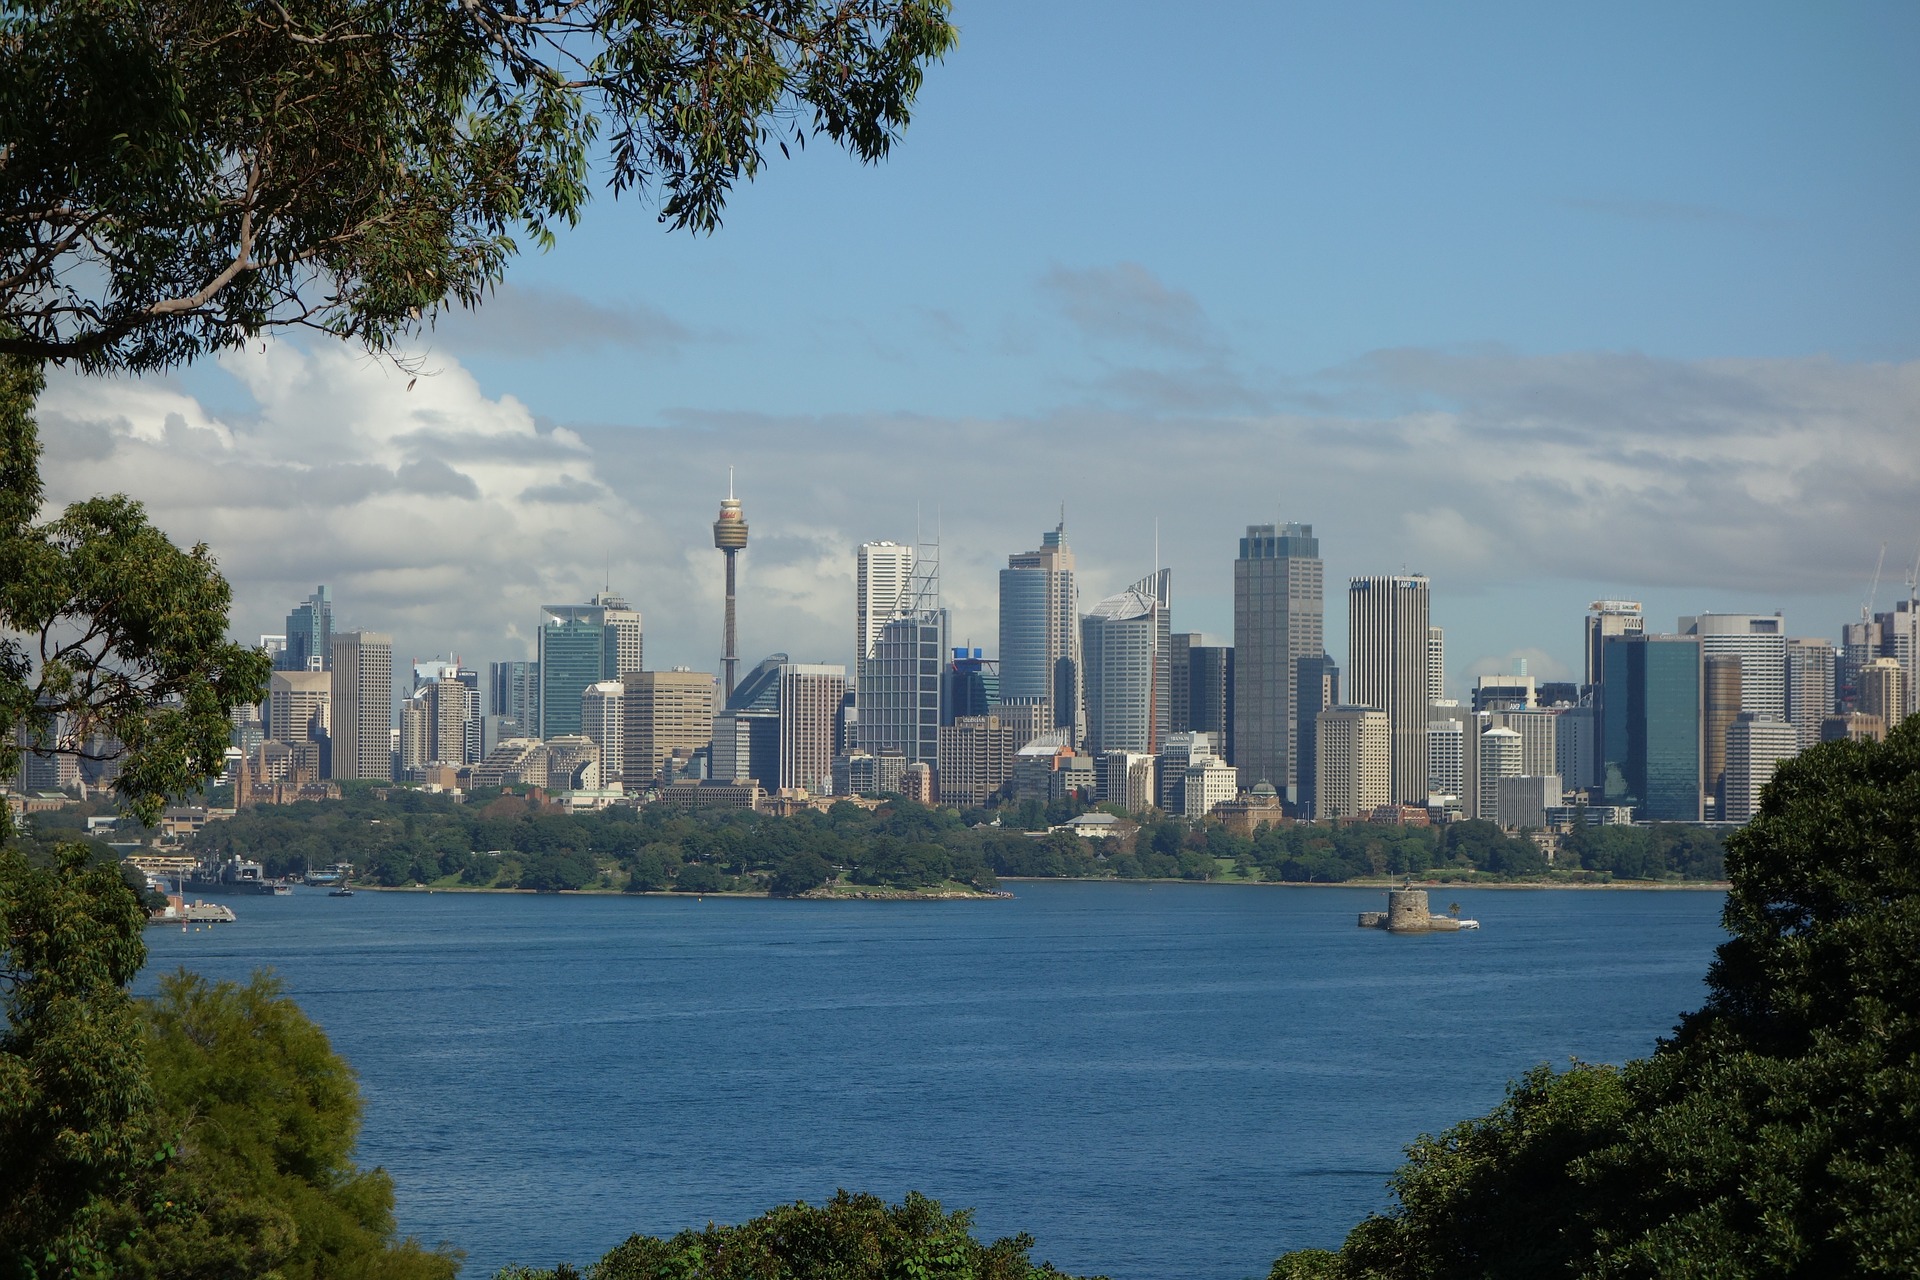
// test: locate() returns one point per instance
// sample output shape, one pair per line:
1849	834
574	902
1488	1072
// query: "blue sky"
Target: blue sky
1548	301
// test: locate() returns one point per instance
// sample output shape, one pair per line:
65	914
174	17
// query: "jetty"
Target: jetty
1408	912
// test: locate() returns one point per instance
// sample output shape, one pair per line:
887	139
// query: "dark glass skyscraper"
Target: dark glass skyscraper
309	635
1279	617
1650	725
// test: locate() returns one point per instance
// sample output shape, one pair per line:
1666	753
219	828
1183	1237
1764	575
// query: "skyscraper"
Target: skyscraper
1316	687
1126	643
882	587
1610	618
1760	642
668	714
1756	745
309	640
1040	631
1436	665
603	719
1387	670
1720	680
1202	669
1352	762
581	645
361	692
1651	735
1279	617
810	695
899	695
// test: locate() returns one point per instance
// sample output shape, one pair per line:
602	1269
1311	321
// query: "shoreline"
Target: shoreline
879	893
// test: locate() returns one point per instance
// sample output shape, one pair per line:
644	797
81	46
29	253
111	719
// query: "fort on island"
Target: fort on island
1408	912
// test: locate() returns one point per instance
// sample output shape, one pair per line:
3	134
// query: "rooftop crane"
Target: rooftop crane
1873	589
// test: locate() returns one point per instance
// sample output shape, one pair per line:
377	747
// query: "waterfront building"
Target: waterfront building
1811	666
1126	642
1755	747
361	694
976	760
1651	726
1040	631
665	714
309	639
1387	670
810	695
1353	764
882	589
1278	618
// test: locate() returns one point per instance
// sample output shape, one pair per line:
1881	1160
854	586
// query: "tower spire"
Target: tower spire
730	536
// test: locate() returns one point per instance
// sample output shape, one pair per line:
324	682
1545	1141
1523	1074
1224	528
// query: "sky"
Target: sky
1550	303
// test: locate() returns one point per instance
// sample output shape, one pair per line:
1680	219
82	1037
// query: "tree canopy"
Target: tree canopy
180	176
1776	1134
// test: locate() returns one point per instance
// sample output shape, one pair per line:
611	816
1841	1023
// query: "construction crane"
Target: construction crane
1873	589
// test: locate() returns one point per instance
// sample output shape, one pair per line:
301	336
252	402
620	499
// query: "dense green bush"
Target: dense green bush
1776	1134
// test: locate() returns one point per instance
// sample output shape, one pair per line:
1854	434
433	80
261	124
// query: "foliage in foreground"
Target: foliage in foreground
851	1237
1777	1133
207	1133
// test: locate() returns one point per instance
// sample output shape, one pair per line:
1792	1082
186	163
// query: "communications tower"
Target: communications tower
730	535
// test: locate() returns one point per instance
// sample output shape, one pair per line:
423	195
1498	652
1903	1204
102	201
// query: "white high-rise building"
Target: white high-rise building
603	720
810	698
882	589
362	695
1436	665
1040	632
1811	667
1500	757
1446	758
1127	645
1755	747
1353	762
1387	669
299	705
1760	642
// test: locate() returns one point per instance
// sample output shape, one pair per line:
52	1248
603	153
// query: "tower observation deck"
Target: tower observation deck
730	536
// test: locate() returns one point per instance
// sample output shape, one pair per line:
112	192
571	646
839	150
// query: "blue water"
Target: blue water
1155	1081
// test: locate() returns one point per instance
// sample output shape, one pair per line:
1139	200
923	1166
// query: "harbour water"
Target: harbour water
1155	1081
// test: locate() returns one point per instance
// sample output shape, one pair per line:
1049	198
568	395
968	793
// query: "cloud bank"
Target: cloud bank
1520	483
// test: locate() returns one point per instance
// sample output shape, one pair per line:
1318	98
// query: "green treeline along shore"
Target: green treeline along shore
397	837
210	1132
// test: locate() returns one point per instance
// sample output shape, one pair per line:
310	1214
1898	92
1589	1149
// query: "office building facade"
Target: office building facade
361	693
1756	746
1126	643
1353	762
810	696
309	640
1387	629
882	589
1279	617
1040	631
898	701
1651	726
581	645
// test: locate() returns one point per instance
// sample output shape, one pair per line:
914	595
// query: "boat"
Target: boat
341	892
282	889
190	913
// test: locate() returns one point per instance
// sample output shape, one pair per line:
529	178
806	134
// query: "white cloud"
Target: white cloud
1519	483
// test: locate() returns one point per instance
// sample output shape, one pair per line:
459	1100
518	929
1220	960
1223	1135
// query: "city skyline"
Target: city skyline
1674	363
